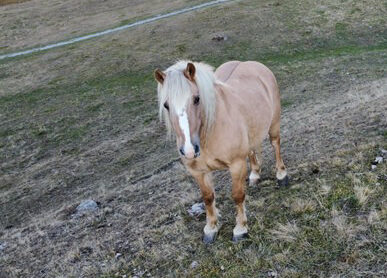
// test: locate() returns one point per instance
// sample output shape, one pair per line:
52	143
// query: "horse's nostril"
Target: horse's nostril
197	149
181	151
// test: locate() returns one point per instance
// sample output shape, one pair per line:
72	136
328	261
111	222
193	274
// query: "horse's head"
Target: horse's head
181	104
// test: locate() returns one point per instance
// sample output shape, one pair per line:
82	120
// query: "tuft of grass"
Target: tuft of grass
362	193
341	28
285	232
300	205
286	103
40	130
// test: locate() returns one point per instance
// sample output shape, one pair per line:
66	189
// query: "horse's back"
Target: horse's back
247	75
224	71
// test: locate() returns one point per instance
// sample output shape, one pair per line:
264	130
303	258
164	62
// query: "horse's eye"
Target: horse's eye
166	105
196	100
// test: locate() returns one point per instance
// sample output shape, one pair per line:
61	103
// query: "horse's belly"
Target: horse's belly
259	125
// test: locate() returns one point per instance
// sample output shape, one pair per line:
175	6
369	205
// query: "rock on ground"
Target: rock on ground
86	207
196	209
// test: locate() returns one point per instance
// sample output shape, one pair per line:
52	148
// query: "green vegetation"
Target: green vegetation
81	122
319	226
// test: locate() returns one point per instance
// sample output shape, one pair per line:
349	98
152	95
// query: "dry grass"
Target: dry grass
285	232
80	122
342	225
301	206
362	193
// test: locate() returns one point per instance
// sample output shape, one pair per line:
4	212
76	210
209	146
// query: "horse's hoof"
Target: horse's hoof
253	182
237	238
209	238
254	178
284	182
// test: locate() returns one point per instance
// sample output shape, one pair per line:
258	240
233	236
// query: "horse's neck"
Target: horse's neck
205	133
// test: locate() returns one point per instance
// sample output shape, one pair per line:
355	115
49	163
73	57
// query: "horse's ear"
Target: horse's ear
159	76
189	72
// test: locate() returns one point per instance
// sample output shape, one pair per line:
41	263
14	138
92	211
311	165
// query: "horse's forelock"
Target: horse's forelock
176	90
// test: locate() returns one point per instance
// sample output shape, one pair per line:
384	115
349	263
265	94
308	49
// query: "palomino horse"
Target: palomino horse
220	118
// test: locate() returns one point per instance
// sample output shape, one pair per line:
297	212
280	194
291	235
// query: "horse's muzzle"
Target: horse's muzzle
191	155
197	150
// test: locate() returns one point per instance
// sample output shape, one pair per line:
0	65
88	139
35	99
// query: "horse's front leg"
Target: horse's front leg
208	194
238	171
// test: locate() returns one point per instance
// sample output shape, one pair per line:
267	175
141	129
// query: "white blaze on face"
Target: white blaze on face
184	125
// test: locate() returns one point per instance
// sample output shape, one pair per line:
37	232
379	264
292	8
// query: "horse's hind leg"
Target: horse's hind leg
282	176
255	158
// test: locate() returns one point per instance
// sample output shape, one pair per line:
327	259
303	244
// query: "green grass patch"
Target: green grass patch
317	54
293	52
6	132
95	107
341	28
325	241
384	133
286	103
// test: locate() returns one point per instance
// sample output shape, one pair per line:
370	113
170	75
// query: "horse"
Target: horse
220	118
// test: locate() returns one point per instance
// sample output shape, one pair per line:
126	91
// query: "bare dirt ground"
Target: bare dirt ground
80	122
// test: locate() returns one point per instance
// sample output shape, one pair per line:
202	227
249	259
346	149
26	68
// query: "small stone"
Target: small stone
197	209
194	264
118	255
379	159
139	273
373	167
3	245
222	267
107	210
272	273
219	37
85	207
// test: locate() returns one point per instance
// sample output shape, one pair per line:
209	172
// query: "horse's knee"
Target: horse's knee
208	198
238	196
275	140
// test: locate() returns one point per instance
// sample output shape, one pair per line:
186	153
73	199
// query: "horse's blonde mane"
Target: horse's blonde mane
176	90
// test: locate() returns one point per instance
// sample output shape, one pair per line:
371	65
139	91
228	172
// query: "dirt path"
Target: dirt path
62	21
112	30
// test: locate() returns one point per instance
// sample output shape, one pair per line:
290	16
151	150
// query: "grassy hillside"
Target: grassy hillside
80	122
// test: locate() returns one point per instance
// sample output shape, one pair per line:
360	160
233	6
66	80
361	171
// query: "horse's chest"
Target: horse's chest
206	164
216	164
